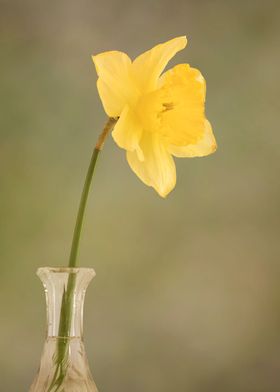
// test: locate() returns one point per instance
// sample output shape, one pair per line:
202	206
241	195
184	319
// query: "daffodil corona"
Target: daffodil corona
160	115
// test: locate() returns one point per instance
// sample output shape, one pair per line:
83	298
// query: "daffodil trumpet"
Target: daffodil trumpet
154	116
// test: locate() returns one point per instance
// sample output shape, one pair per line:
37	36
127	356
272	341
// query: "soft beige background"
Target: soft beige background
187	294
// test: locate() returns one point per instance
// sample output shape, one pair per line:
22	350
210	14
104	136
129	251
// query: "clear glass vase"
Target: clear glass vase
64	365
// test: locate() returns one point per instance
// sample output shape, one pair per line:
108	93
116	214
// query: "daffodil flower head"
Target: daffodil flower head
161	115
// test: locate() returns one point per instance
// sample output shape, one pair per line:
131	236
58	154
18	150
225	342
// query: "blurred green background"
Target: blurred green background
187	294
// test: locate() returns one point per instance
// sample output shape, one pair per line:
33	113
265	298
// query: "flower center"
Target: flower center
151	109
167	106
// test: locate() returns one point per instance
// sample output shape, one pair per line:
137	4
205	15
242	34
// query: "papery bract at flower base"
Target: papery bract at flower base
160	115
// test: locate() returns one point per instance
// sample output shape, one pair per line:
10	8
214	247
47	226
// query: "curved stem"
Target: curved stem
80	216
61	357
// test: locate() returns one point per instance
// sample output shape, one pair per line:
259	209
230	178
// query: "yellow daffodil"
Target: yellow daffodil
160	115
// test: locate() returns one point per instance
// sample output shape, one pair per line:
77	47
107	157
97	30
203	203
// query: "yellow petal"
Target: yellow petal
157	169
148	66
182	119
115	84
127	131
205	146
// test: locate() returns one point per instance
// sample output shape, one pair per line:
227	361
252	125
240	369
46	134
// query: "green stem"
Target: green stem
78	226
61	357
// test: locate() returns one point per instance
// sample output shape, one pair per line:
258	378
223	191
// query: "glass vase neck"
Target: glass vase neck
57	282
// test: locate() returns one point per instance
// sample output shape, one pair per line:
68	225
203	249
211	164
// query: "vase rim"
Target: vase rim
74	270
